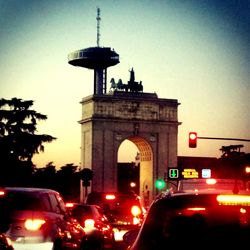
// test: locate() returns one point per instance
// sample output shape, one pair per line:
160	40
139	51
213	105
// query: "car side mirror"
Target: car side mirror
130	236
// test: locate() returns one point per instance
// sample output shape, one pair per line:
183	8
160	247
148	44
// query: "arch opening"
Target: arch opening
141	168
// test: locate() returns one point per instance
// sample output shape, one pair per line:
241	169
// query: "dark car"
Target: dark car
99	232
5	242
211	183
123	210
36	218
215	219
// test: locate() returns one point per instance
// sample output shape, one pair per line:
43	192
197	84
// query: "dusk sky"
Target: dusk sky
195	51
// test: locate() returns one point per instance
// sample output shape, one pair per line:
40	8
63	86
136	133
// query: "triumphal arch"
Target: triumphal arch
127	113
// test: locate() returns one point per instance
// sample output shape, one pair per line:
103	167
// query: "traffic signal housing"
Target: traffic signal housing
192	139
86	175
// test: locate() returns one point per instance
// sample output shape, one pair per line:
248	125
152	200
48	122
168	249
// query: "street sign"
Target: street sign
173	173
189	173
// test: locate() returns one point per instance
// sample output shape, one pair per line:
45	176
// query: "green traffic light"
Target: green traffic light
160	184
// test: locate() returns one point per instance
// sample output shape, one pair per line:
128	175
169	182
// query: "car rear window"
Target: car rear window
120	204
179	202
82	212
21	201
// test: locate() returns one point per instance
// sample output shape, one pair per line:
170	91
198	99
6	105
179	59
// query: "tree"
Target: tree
45	177
68	182
233	162
18	138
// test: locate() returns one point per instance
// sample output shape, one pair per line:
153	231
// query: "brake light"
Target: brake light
243	211
34	224
243	200
109	196
69	205
192	210
89	223
196	208
2	193
211	181
135	210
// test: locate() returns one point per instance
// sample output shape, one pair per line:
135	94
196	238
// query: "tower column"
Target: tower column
100	81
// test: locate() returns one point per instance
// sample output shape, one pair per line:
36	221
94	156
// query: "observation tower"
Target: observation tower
96	58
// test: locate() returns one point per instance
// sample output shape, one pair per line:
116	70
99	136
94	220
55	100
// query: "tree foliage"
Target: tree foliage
19	140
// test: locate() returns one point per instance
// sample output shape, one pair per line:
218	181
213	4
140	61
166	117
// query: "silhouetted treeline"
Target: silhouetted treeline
66	180
19	142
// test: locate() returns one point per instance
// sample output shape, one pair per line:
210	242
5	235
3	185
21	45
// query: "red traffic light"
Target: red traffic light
192	140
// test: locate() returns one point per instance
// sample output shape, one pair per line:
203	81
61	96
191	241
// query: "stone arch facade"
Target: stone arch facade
151	123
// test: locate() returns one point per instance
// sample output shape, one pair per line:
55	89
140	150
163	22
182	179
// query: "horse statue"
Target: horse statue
131	86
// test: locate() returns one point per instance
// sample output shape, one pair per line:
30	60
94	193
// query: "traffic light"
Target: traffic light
160	184
192	139
86	175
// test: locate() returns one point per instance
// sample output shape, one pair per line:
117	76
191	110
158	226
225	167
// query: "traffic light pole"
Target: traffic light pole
219	138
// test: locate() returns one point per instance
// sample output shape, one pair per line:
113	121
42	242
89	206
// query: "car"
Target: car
123	210
36	218
197	219
211	183
5	242
99	232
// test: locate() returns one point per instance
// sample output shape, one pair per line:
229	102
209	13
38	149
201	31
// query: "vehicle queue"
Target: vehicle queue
215	211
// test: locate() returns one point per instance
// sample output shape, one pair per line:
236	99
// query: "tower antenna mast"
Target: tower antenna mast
96	58
98	18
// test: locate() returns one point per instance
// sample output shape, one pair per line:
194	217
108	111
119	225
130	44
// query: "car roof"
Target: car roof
86	205
170	193
118	194
210	183
29	189
99	197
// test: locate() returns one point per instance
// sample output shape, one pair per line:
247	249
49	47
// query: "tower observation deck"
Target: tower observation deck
96	58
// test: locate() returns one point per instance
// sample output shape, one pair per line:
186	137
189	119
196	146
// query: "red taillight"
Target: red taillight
69	205
211	181
189	211
243	200
196	208
34	224
243	211
89	223
109	196
135	210
2	193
